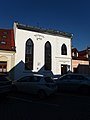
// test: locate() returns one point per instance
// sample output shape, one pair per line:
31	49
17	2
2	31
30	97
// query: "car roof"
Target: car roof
75	74
39	75
36	75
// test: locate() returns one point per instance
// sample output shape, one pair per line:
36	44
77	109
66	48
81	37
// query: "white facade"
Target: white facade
39	39
9	58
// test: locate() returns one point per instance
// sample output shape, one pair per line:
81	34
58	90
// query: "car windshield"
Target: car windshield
74	77
49	80
30	79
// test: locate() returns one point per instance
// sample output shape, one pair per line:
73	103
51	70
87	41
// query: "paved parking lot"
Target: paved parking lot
59	107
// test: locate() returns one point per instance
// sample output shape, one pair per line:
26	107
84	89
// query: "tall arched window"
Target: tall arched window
63	50
29	55
47	56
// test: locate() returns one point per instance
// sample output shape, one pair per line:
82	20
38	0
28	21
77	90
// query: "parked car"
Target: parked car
36	84
5	85
73	82
55	77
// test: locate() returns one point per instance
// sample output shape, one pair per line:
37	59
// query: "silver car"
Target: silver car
36	84
73	82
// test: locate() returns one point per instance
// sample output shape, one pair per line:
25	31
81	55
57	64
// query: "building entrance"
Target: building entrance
63	69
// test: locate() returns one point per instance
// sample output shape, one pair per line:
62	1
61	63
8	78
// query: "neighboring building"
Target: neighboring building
81	61
41	50
7	50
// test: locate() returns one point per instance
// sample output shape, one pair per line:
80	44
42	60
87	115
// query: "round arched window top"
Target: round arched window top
64	50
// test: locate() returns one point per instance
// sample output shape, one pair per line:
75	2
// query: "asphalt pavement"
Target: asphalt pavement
61	106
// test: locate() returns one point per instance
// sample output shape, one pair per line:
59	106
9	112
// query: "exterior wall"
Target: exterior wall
9	57
84	69
7	39
62	59
75	63
39	40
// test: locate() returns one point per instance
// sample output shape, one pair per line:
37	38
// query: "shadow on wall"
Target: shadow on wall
19	71
84	69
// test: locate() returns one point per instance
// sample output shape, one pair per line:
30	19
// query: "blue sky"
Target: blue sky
65	15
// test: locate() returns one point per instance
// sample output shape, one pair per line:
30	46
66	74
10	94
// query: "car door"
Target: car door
22	84
74	82
28	84
34	84
64	83
77	81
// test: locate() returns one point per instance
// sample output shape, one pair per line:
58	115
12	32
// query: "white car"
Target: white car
36	84
73	82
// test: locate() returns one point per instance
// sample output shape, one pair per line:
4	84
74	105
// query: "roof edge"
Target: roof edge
45	31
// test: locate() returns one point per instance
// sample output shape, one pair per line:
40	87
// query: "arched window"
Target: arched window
47	56
29	55
63	50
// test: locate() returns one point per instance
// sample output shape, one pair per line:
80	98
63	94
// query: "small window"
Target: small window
24	79
48	80
3	42
36	79
5	33
3	66
4	36
66	77
80	77
63	50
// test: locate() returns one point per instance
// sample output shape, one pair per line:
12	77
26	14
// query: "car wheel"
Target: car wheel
41	94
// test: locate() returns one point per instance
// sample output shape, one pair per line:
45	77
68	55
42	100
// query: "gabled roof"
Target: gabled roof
7	39
45	31
84	52
82	55
74	50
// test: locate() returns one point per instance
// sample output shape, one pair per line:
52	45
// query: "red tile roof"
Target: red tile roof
7	39
82	55
84	52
